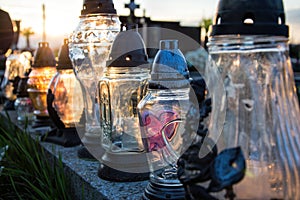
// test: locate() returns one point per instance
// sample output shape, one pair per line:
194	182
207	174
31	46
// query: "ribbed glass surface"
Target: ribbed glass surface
261	113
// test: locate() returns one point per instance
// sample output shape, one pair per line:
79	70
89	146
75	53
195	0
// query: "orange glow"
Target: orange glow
68	99
39	79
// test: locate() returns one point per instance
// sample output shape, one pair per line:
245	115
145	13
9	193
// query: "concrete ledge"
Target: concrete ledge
85	183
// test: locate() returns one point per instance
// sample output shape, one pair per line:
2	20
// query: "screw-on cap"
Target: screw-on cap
255	17
64	61
98	6
128	50
169	69
44	56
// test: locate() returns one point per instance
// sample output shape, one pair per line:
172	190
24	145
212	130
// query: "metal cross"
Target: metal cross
132	6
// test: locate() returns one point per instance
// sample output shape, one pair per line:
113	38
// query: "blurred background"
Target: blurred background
61	17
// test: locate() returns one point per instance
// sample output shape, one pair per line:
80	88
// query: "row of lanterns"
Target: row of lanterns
135	117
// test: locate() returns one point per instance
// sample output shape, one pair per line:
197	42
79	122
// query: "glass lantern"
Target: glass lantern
121	88
23	104
17	64
89	47
64	102
248	49
43	69
162	114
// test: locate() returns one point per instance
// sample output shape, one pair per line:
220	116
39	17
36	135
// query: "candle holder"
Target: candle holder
121	88
162	113
258	138
64	103
23	104
43	69
17	65
89	47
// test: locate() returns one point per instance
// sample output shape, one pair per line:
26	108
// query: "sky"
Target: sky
62	16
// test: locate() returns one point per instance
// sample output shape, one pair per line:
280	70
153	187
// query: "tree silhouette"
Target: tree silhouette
206	23
27	32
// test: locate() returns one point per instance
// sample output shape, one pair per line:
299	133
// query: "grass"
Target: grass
26	174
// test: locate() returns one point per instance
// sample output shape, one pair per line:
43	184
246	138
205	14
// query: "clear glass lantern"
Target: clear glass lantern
43	69
23	104
17	64
64	102
121	88
89	47
67	92
248	49
162	114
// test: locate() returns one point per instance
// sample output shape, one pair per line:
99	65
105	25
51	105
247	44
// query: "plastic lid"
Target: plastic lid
128	50
98	6
255	17
44	56
169	69
64	61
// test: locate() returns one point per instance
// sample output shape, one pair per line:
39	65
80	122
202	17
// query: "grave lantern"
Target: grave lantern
89	46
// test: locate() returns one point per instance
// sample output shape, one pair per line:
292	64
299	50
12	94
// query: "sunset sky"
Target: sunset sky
62	16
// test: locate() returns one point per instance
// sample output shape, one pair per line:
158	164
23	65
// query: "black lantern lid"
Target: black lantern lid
128	50
44	56
245	17
64	61
98	6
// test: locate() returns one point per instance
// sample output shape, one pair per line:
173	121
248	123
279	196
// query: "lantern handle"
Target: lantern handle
173	154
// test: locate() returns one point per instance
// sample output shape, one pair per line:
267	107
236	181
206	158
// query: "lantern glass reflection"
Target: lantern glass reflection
39	79
17	64
260	104
68	101
23	104
89	47
260	115
162	114
120	91
43	69
121	88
